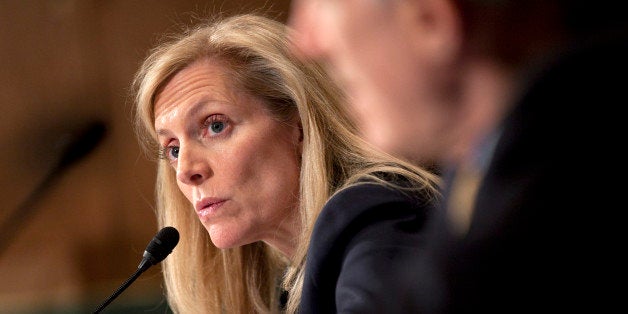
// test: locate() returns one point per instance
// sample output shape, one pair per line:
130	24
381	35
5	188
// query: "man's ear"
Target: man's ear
432	27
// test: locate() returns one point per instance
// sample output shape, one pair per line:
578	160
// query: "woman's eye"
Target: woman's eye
170	153
173	152
216	124
217	127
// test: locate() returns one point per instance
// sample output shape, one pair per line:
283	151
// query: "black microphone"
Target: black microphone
81	143
158	248
77	145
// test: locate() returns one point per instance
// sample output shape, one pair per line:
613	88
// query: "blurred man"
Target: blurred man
519	102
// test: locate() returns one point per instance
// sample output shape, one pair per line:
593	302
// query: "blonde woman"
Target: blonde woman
253	143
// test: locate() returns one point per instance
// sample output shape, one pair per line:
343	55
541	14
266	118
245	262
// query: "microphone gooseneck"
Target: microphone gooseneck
78	145
156	251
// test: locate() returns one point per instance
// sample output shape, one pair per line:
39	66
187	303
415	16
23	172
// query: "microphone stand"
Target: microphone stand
82	143
26	209
157	249
143	267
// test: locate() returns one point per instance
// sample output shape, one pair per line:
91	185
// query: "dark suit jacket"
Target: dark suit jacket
359	237
544	235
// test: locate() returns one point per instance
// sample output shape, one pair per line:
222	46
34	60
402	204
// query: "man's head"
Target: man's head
428	78
370	47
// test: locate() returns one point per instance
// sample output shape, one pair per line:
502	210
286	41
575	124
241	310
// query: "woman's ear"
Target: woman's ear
432	27
300	132
298	135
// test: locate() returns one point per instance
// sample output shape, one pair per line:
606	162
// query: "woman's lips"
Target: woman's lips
206	208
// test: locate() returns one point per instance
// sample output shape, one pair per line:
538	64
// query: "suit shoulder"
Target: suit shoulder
369	206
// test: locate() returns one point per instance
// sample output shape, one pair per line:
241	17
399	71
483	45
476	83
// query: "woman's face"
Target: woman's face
236	164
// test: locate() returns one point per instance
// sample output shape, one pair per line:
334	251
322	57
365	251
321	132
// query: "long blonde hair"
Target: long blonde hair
201	278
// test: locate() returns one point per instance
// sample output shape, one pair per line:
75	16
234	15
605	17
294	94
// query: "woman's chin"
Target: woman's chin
225	240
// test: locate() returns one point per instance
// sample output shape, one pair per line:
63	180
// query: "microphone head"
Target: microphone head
82	142
161	245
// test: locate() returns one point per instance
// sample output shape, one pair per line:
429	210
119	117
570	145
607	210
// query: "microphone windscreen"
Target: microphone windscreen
82	142
162	244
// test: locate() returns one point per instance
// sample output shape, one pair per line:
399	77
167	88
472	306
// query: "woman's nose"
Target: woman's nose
192	166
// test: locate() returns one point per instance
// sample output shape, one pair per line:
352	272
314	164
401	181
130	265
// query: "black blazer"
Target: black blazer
544	235
361	235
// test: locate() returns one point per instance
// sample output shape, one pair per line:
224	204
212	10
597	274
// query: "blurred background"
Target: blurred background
67	243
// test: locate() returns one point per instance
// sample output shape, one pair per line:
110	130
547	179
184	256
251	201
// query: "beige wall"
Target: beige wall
64	63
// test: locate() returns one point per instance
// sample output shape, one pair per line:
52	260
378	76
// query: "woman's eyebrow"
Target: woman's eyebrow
194	110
